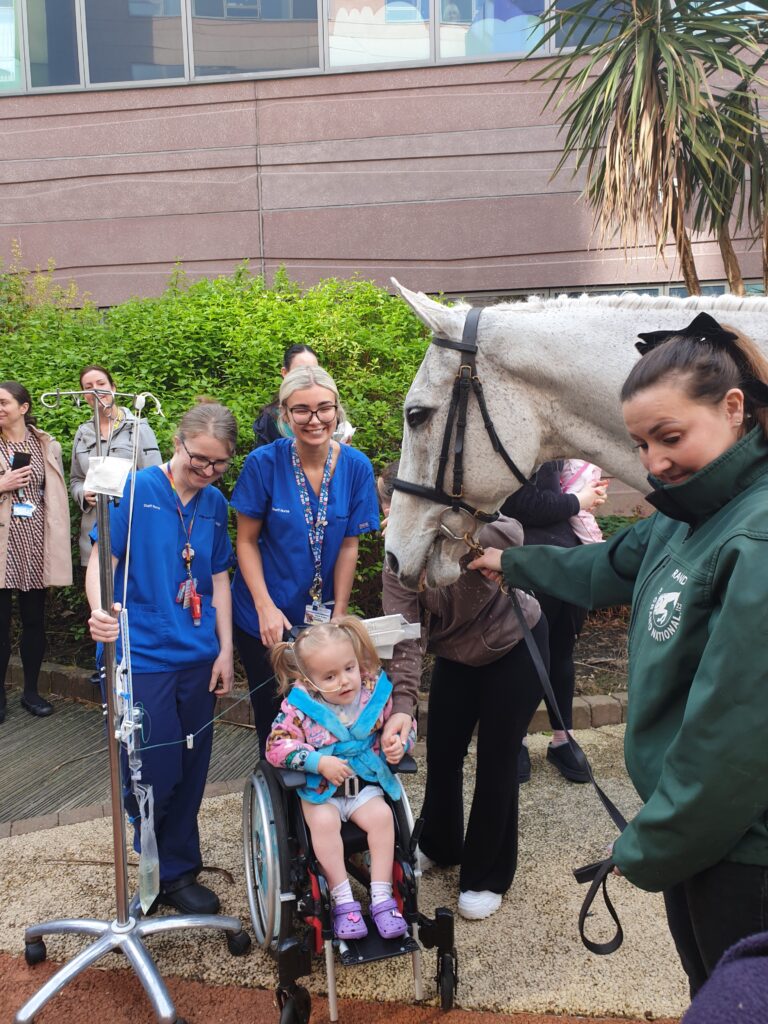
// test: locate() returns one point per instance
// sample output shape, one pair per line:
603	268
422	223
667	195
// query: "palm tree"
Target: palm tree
643	90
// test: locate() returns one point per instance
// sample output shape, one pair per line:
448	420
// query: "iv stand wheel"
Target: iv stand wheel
238	943
35	952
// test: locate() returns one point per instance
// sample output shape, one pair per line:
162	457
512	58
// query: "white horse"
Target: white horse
551	371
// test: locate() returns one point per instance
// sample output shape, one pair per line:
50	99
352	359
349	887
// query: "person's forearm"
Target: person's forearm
251	566
93	579
344	575
222	602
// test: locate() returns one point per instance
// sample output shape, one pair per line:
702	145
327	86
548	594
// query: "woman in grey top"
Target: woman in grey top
483	676
117	433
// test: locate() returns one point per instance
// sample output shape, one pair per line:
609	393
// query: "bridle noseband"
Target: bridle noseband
465	381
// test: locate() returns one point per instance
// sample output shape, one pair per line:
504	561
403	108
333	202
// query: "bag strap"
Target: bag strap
596	873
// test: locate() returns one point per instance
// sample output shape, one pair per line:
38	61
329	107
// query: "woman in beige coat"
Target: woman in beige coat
35	546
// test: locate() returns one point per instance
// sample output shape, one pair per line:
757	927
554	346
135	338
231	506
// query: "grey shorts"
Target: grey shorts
347	805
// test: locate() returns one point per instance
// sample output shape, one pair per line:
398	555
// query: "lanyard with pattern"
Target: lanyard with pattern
315	527
187	595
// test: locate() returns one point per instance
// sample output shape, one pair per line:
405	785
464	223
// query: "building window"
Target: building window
487	28
10	48
364	33
248	36
52	30
134	40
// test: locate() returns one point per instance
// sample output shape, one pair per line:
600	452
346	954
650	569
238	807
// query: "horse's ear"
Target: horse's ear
447	321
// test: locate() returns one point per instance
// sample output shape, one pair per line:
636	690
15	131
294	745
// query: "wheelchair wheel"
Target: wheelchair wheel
296	1006
404	818
446	979
267	860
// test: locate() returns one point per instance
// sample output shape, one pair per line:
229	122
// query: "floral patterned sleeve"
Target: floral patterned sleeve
287	745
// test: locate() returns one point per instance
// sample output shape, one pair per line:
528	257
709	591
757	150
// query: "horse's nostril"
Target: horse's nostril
392	563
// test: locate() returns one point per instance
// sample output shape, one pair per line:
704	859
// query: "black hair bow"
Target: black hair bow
704	327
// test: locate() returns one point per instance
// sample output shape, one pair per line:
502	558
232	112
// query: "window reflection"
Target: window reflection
234	38
134	40
588	32
10	62
366	32
477	28
52	30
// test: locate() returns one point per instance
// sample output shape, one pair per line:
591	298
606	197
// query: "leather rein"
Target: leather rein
466	382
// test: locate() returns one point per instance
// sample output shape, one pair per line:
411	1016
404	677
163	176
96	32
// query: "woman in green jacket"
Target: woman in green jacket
696	744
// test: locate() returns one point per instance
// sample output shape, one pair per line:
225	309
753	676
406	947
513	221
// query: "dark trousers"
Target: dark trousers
564	621
261	682
708	913
32	644
175	704
500	698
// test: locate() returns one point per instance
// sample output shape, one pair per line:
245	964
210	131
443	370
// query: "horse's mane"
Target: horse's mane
636	300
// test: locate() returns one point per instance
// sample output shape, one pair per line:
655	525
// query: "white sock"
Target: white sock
342	893
380	891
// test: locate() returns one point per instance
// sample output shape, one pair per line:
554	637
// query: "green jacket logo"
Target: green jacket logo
664	616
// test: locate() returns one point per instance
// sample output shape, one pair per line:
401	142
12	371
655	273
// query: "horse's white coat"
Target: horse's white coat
552	371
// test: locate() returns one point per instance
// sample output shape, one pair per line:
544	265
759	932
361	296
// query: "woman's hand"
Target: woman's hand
13	479
272	624
335	769
89	498
394	736
489	564
222	674
103	626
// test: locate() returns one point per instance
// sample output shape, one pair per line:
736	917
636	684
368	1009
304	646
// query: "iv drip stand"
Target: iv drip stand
127	931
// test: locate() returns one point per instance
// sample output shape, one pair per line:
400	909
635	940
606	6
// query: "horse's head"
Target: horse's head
420	534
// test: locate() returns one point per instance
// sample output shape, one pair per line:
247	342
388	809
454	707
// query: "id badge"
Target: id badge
315	614
23	509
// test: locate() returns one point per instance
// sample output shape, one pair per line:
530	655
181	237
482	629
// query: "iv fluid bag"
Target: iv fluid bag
149	863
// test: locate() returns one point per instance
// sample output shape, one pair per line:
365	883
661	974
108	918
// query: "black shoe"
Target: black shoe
37	705
188	896
566	762
2	713
523	765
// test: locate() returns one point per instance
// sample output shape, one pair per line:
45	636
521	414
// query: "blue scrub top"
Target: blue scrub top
267	490
162	635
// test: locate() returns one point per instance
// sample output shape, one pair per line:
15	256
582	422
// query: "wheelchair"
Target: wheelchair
290	903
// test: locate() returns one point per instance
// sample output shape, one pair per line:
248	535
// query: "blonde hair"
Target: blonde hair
287	658
301	378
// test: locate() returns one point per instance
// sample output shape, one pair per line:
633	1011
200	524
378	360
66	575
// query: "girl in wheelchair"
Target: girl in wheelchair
336	702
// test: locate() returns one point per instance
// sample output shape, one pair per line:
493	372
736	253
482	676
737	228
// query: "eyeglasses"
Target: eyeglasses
200	461
325	413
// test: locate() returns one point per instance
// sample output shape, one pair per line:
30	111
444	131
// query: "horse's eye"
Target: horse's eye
416	416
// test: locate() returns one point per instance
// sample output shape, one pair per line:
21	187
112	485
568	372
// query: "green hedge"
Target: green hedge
224	338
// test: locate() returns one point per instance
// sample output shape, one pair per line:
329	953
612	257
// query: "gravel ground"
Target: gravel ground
527	958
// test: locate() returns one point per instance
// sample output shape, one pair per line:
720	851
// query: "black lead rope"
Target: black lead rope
598	872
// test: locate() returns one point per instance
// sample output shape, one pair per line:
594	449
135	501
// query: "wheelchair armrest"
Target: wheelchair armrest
406	766
289	779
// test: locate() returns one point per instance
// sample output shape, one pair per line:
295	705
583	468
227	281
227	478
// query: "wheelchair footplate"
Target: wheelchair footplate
373	946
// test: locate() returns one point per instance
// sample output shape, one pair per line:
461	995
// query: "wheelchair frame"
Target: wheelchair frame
290	902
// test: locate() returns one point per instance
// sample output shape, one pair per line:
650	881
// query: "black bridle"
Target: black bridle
465	382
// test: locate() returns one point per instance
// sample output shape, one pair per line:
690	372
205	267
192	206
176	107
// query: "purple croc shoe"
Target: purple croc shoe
348	921
389	922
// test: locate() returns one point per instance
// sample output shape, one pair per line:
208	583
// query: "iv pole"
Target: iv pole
127	931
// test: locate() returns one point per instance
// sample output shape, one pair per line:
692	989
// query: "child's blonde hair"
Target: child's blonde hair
287	658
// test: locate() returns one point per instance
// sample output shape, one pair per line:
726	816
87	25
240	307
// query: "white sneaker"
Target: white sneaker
477	905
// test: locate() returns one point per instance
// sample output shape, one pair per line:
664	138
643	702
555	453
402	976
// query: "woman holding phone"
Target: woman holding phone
35	548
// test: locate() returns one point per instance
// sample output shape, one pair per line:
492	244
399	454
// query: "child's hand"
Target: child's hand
335	769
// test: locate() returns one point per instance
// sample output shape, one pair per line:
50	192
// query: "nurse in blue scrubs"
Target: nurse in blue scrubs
301	503
180	621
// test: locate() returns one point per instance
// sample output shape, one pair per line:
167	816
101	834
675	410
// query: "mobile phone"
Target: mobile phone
20	460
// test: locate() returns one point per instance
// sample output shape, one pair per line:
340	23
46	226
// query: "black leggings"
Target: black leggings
258	670
564	621
500	698
710	912
32	645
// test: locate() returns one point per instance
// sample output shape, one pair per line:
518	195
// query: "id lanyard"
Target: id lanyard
22	507
187	595
315	527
